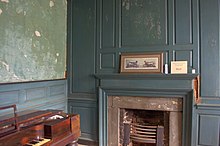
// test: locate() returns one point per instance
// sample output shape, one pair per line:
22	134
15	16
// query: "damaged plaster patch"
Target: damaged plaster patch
51	3
126	4
1	11
5	65
6	1
37	33
19	10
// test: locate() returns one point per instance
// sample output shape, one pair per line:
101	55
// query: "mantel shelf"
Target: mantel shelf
147	76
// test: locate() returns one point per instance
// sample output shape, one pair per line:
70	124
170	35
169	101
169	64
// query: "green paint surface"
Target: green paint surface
143	22
32	40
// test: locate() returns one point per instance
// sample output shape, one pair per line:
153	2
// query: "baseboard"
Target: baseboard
88	142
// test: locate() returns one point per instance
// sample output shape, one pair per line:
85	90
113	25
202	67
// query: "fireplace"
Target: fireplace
143	127
161	103
144	114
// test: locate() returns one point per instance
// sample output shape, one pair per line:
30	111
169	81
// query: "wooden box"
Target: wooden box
75	125
56	128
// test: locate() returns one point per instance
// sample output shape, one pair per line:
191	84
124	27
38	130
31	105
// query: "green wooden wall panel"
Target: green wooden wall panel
209	130
143	22
108	24
83	46
189	30
149	84
209	21
107	60
58	89
9	97
88	117
36	95
183	21
81	67
135	25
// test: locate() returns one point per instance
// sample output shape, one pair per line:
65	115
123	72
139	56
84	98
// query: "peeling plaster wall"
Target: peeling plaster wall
32	40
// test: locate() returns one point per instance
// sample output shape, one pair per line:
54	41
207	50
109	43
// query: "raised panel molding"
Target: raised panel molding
208	130
82	96
34	95
9	97
143	23
108	24
209	28
107	61
130	26
88	117
81	59
85	104
183	22
57	90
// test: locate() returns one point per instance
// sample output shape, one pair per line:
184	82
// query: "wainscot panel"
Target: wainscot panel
87	109
9	97
207	130
35	95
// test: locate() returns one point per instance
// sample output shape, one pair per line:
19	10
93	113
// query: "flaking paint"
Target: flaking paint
32	33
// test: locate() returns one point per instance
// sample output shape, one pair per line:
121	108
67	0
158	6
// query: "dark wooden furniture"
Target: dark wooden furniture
10	124
46	127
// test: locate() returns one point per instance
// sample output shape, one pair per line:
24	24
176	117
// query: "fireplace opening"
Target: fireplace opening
142	121
143	127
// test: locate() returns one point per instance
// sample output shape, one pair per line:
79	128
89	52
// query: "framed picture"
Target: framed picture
142	63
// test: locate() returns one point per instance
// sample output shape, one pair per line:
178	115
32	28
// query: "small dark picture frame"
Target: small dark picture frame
142	62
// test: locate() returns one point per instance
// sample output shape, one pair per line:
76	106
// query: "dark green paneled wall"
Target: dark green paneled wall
35	95
81	65
183	22
146	26
87	110
83	46
209	29
181	29
143	23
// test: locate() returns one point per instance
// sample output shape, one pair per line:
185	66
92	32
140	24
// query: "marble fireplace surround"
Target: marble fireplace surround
166	104
146	87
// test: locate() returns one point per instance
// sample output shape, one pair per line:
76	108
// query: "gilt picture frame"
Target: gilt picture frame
141	63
